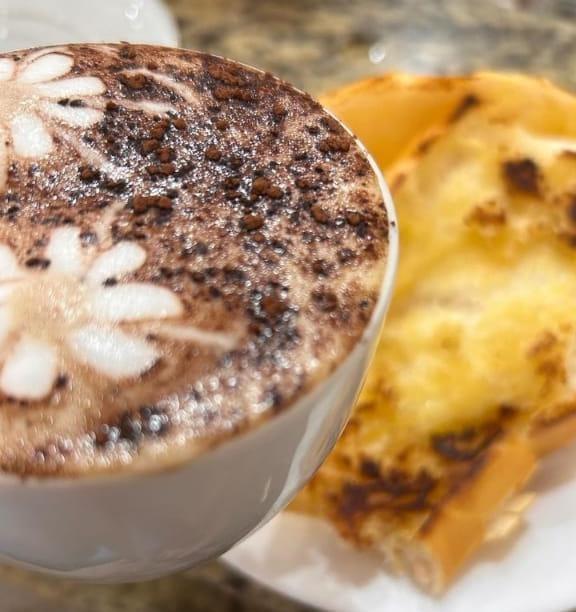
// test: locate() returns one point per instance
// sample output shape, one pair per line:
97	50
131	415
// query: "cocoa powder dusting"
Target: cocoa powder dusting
237	223
319	213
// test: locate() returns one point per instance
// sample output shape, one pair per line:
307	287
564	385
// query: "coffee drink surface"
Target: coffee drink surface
187	246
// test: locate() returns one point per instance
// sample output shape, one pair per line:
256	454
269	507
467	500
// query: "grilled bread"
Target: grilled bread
475	374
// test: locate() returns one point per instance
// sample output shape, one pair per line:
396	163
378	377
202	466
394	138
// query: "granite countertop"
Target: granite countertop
319	44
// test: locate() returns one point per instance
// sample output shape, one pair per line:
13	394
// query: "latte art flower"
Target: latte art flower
36	98
64	312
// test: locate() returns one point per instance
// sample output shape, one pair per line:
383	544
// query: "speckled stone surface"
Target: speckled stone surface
318	45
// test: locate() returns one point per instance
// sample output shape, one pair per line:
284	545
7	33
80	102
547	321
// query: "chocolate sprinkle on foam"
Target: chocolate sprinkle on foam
178	236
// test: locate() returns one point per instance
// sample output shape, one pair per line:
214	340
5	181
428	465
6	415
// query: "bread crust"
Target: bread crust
550	434
457	527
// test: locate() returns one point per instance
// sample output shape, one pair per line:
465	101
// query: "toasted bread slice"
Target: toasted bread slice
475	374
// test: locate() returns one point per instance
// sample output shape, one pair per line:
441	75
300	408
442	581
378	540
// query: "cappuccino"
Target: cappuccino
187	246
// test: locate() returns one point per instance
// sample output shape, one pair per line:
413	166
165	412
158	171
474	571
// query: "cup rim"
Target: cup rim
369	333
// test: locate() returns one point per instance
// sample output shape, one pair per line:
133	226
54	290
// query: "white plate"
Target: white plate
29	23
535	572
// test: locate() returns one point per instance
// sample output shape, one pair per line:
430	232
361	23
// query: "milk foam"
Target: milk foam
186	247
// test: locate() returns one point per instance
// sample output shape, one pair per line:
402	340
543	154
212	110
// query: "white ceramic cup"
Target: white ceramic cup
135	527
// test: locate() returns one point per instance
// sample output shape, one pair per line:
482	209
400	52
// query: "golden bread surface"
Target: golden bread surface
475	373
